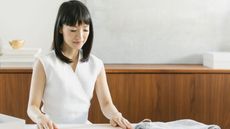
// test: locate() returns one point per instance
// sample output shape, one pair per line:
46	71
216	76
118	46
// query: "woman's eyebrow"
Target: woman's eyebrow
73	27
86	25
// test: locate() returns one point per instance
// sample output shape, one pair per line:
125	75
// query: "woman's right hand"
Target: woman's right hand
44	122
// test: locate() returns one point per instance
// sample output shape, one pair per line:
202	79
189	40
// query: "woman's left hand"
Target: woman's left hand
119	120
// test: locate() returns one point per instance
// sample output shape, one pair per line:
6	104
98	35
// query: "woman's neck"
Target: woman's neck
70	53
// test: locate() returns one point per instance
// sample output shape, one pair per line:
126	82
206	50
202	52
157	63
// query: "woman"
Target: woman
64	79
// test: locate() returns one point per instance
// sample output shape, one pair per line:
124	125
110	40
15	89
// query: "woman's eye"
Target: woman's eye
73	30
86	30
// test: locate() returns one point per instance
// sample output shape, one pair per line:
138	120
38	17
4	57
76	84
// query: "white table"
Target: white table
79	126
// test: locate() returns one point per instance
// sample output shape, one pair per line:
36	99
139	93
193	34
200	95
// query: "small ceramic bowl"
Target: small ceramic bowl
16	44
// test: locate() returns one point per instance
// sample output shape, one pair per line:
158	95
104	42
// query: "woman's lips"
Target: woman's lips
77	42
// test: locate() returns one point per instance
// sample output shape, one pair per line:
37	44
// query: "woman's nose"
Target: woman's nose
79	34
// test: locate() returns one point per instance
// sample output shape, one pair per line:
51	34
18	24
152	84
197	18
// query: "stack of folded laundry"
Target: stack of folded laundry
19	58
178	124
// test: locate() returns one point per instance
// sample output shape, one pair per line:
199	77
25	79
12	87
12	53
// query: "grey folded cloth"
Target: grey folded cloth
178	124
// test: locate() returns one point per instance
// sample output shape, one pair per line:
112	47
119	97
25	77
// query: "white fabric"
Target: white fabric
68	93
178	124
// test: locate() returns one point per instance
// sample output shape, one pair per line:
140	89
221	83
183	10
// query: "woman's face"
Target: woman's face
75	36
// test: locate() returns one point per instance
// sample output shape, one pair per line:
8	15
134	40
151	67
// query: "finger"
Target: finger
39	126
44	126
120	123
123	120
127	123
50	125
55	126
113	123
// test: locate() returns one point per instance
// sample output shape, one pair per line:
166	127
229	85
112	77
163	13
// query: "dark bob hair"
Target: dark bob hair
70	13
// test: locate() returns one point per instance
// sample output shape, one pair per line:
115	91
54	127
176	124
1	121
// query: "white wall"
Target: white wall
129	31
31	20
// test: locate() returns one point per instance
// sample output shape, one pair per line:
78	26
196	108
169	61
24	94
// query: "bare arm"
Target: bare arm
36	92
106	104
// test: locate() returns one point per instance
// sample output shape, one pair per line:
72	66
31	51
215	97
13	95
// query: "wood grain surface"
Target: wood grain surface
158	92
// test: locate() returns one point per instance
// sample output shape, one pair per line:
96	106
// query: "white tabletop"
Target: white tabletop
79	126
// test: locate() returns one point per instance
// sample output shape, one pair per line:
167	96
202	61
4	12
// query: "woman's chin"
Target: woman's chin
77	46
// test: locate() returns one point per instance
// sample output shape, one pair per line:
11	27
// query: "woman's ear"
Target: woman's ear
60	30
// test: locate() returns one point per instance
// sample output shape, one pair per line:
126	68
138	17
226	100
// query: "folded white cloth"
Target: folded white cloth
178	124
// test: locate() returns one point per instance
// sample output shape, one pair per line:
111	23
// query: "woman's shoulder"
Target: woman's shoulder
48	55
95	59
96	63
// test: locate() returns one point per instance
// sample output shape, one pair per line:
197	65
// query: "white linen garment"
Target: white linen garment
177	124
67	93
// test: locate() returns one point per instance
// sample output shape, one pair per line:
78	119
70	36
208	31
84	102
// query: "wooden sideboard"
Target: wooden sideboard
14	92
157	92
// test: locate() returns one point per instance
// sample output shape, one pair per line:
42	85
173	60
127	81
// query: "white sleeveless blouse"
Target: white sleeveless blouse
67	94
